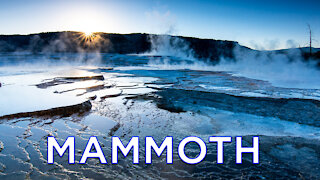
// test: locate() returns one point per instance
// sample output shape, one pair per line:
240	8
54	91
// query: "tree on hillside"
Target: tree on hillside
310	40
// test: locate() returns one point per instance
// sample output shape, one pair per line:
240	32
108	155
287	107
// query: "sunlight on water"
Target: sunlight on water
148	100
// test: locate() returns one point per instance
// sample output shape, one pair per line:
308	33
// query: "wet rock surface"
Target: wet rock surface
58	111
302	111
67	80
144	101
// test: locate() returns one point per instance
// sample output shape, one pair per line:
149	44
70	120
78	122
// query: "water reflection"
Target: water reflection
136	101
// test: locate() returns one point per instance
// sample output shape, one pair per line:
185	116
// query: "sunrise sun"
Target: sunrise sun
88	33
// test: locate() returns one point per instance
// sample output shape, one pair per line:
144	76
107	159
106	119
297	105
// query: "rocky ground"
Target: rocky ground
126	101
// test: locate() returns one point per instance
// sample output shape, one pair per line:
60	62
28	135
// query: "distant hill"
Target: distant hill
305	52
111	43
69	41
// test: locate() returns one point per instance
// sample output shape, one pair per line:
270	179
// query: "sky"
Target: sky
258	24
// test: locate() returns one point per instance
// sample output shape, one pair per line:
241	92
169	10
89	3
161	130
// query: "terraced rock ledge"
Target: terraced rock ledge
64	111
66	80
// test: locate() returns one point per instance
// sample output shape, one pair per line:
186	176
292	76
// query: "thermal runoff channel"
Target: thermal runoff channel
150	145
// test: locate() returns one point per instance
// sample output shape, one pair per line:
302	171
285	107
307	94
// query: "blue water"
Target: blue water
137	98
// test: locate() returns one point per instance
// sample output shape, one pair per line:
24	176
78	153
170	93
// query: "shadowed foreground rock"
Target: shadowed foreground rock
64	111
67	80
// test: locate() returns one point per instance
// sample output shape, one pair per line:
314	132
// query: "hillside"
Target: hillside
137	43
111	43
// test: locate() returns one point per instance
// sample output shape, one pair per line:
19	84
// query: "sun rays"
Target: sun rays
89	38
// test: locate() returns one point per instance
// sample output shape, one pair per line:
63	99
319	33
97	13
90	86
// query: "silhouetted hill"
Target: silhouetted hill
109	43
137	43
303	52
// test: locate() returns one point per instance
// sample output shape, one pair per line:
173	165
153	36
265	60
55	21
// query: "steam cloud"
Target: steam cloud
280	69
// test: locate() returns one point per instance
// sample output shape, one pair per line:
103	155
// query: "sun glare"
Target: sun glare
89	38
88	33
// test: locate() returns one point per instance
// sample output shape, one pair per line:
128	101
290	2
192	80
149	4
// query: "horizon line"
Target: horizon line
35	33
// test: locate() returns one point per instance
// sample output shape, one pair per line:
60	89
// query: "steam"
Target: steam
273	44
288	70
283	70
292	44
266	44
166	45
163	23
58	48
